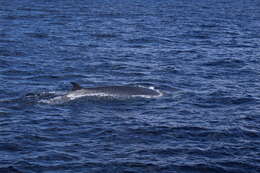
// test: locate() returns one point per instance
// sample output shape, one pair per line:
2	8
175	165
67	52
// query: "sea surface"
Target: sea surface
203	55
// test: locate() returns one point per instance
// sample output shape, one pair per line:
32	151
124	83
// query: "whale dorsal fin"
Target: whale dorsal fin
75	86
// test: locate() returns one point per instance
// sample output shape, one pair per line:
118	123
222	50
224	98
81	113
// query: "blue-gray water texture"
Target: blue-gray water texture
204	55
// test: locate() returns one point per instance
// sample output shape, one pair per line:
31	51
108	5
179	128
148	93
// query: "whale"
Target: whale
114	91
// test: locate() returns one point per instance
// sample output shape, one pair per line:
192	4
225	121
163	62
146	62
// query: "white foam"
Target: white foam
55	100
74	96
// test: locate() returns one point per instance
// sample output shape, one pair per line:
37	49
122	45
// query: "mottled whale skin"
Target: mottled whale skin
121	91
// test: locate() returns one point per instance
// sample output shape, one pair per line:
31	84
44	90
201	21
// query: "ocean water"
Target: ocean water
203	55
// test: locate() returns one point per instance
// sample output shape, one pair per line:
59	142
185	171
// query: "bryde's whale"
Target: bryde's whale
117	91
104	91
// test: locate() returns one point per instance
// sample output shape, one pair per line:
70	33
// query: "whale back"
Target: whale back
114	90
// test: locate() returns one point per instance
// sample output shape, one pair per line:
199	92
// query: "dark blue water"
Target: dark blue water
203	54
